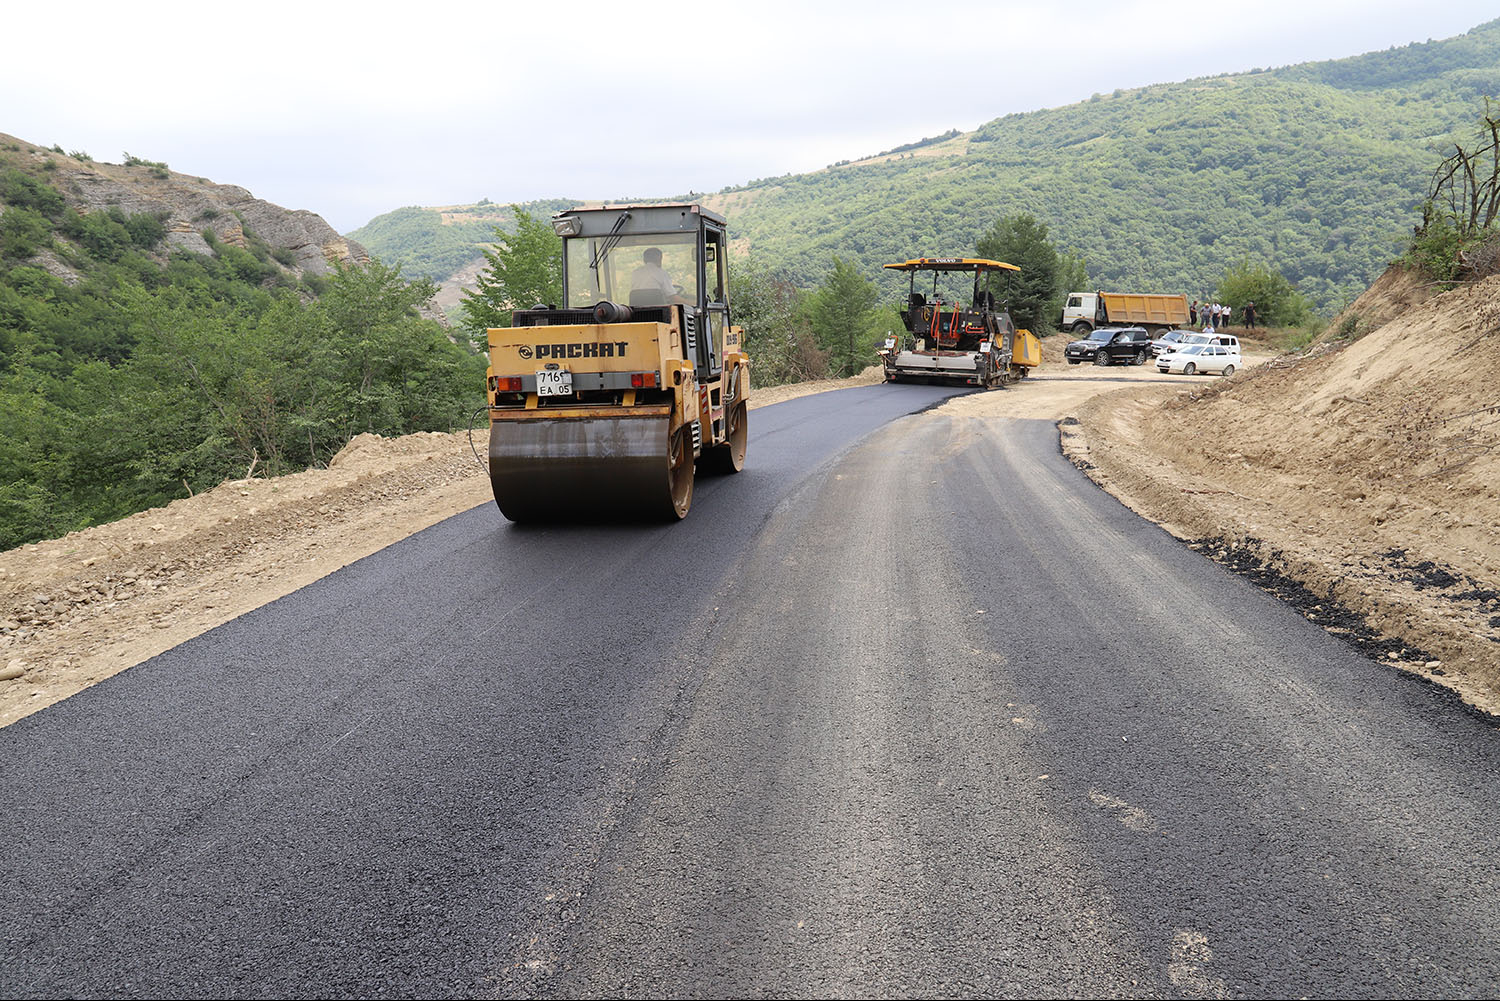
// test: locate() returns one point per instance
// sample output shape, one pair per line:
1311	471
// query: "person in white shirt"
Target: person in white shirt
650	277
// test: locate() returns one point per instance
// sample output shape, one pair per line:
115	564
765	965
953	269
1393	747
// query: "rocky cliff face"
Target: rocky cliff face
190	205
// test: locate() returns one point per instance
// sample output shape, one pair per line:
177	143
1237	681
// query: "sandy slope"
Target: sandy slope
1367	471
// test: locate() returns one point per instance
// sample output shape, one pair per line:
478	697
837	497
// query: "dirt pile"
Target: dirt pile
1367	470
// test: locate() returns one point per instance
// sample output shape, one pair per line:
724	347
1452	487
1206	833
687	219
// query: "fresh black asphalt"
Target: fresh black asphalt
907	707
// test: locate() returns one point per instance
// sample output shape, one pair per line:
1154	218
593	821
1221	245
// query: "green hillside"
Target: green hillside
152	347
435	242
1315	169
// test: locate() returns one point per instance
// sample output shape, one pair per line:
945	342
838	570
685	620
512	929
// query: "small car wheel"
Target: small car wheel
1101	358
1189	369
1228	371
1140	357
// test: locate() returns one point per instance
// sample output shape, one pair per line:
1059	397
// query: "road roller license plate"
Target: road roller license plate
554	382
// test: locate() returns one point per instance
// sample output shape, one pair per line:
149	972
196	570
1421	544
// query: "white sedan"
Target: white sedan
1194	358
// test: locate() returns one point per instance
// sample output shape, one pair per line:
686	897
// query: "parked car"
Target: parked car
1169	341
1107	345
1192	359
1223	340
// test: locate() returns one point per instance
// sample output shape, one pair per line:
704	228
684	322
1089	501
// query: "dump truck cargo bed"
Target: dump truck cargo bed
1145	310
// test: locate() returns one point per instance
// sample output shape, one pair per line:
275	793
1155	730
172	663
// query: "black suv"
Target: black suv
1107	345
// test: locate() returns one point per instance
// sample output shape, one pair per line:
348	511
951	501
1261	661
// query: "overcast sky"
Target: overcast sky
352	110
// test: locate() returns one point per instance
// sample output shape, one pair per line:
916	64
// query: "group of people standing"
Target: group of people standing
1216	316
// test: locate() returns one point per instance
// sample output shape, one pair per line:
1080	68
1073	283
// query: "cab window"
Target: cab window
714	266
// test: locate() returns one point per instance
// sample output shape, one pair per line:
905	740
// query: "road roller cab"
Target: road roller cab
601	407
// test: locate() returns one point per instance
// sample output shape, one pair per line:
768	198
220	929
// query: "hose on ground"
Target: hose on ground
474	448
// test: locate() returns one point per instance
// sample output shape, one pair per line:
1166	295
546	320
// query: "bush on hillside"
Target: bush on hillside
136	161
100	233
1435	246
25	191
1456	236
22	233
146	229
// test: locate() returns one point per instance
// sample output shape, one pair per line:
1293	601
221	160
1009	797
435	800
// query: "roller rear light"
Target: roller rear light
643	380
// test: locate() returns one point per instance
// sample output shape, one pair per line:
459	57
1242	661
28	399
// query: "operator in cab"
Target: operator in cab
651	280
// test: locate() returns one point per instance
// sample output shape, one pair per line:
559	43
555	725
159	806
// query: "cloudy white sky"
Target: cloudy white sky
351	110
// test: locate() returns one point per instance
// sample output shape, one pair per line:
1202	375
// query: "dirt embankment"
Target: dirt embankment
1360	479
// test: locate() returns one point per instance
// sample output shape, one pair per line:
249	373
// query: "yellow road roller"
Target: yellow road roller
601	408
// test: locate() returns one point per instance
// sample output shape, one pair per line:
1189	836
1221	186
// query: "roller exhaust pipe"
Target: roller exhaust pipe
612	312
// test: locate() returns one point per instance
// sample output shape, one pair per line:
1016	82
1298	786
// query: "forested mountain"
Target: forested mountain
160	332
1316	170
